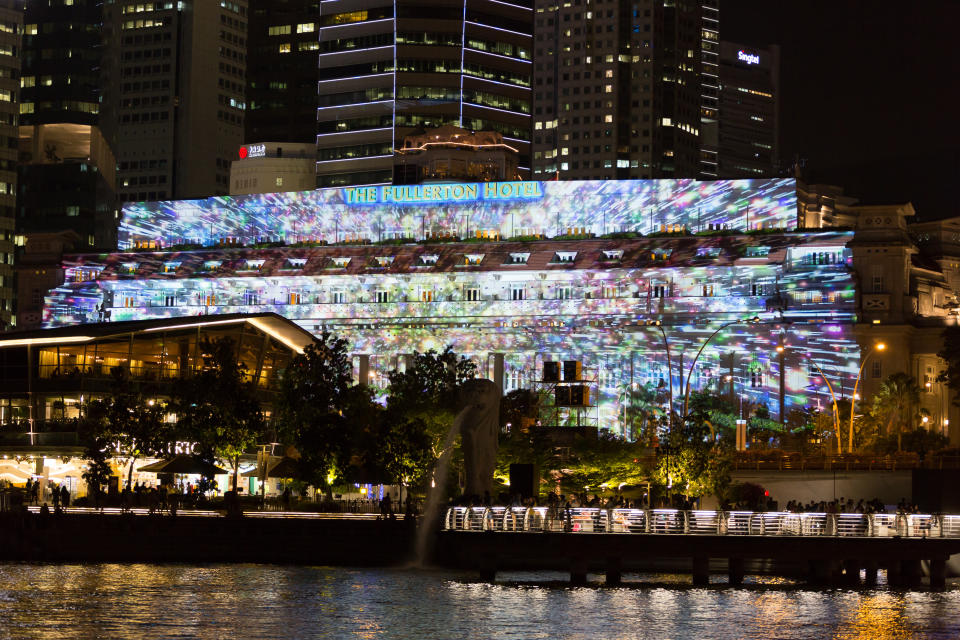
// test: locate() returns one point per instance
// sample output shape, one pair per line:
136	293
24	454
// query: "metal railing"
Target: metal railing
701	522
761	460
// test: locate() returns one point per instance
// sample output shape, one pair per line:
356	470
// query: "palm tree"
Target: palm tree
642	411
897	400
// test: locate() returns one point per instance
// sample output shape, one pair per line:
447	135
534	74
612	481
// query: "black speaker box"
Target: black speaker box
525	480
571	370
551	371
579	395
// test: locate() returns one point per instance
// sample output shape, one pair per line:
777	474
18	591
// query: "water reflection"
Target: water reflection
877	616
136	601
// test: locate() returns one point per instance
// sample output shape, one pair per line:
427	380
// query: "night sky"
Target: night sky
869	93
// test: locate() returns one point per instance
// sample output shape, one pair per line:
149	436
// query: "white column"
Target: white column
498	370
363	368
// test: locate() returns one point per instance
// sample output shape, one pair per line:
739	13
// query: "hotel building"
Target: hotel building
511	274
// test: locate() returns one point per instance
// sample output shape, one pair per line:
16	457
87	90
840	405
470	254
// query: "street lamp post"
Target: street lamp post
686	395
666	345
781	348
853	399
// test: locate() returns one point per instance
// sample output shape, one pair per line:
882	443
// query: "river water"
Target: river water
256	601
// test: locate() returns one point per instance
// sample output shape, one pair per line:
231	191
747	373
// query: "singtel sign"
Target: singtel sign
749	58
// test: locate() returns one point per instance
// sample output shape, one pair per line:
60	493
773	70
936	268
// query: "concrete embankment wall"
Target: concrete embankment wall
142	538
807	486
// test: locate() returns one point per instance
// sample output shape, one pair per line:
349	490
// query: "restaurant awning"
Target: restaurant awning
184	464
282	468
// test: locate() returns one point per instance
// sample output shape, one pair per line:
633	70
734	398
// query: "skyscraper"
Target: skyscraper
709	87
282	71
617	88
173	95
749	111
11	30
388	69
67	172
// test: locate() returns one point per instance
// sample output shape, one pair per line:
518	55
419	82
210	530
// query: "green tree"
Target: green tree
316	408
130	419
135	420
531	447
421	407
643	412
404	449
604	462
695	464
919	441
218	407
427	392
897	401
519	409
93	433
950	353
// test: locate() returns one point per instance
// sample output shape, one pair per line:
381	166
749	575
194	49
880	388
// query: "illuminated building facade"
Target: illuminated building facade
45	376
387	69
511	274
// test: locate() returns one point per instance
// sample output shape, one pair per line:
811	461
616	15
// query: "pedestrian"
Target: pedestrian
286	498
55	494
64	496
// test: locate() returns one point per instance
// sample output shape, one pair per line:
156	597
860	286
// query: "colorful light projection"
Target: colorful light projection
549	209
799	284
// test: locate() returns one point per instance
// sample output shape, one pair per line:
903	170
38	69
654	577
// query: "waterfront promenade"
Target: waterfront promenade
89	535
827	548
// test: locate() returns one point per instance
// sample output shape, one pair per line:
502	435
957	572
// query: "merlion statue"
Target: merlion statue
479	424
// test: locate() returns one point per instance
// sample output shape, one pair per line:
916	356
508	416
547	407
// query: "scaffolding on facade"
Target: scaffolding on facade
567	392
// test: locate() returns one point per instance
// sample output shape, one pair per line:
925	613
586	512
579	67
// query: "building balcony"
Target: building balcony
683	307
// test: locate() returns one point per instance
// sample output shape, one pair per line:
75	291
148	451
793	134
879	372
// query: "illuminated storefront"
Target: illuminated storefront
510	274
45	377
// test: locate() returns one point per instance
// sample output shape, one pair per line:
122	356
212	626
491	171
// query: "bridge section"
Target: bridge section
831	548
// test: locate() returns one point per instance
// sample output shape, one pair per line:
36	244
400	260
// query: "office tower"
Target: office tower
173	95
11	30
749	111
282	71
389	69
67	171
617	89
709	87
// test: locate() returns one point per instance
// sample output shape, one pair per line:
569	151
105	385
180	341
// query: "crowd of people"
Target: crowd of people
847	505
35	493
576	500
156	498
